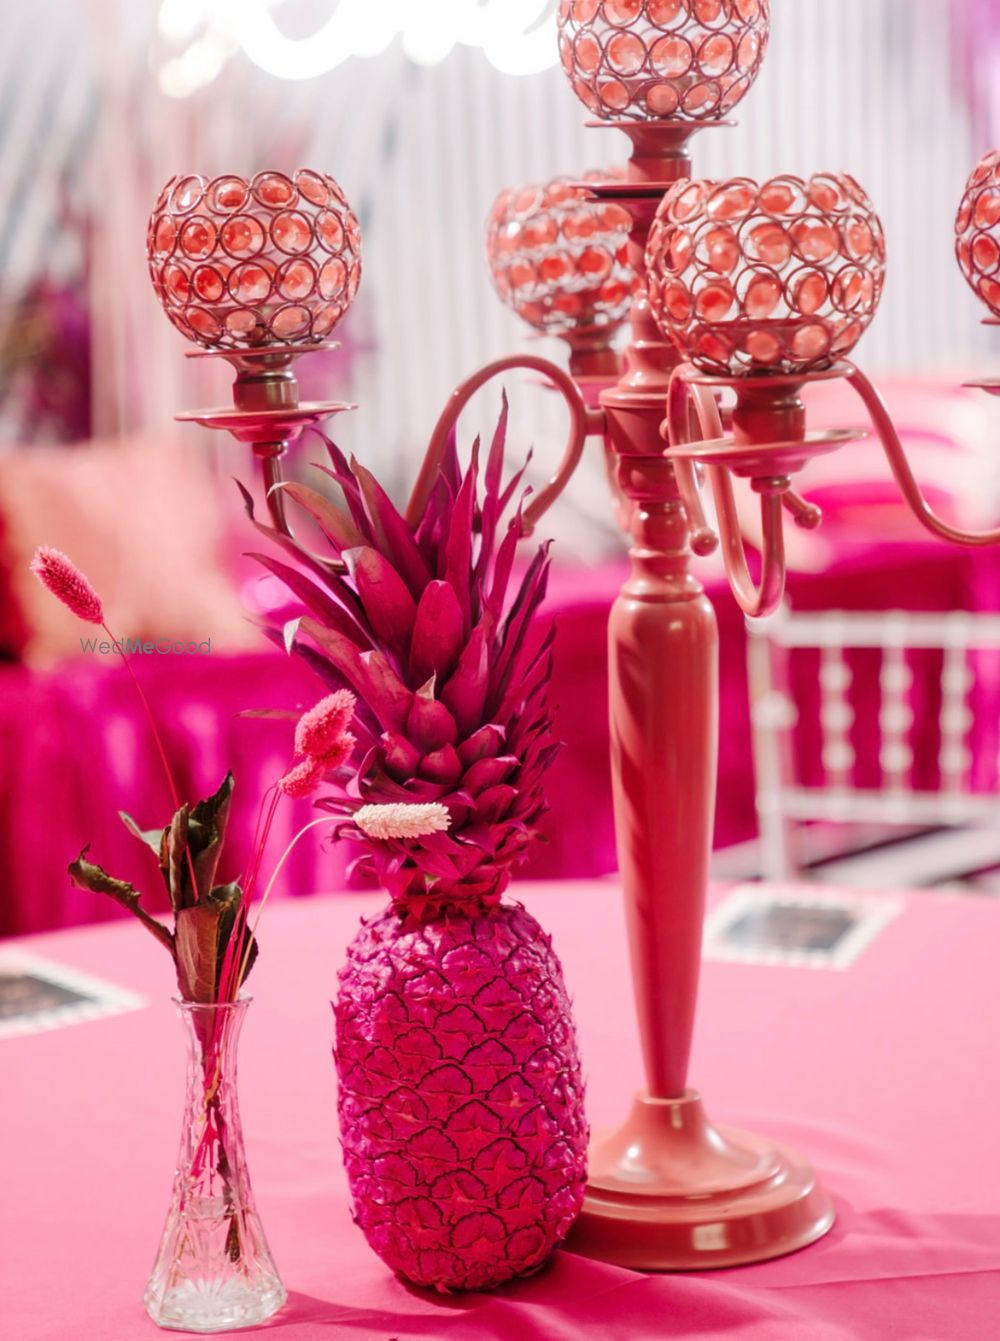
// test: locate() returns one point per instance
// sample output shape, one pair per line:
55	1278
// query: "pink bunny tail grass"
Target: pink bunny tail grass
321	731
301	779
305	776
59	575
338	756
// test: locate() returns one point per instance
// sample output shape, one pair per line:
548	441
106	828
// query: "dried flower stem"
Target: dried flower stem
120	650
261	834
323	819
119	647
322	736
236	960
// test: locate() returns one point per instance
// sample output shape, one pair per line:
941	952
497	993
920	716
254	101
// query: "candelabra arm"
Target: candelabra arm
765	599
583	422
805	515
703	538
683	397
677	429
900	467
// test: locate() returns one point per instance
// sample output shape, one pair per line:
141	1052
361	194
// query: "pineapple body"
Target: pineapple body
460	1094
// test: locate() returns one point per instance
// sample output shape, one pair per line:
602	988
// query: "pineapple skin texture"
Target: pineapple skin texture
460	1095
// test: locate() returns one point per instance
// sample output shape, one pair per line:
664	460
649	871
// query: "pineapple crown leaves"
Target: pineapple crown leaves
205	914
449	665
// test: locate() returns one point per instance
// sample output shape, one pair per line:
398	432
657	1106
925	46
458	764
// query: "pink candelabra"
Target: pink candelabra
747	289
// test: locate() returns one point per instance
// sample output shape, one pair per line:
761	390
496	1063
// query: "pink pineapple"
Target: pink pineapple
460	1092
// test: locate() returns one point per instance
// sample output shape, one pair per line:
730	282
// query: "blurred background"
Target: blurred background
106	99
423	111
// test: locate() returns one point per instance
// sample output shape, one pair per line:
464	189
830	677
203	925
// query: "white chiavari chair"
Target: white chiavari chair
952	829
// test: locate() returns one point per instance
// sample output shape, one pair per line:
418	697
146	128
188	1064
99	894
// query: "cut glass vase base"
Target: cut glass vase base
215	1306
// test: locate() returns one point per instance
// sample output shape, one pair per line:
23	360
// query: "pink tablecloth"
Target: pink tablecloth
886	1074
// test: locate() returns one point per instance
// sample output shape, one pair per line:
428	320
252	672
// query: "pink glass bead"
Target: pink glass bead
815	240
763	295
977	231
714	301
240	264
732	200
809	292
770	244
723	250
559	259
810	342
778	277
645	60
763	347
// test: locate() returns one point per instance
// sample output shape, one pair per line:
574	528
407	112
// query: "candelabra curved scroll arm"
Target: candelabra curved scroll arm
900	467
583	422
765	599
753	601
703	538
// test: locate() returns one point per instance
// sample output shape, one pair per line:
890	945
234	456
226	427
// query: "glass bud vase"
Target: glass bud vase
214	1270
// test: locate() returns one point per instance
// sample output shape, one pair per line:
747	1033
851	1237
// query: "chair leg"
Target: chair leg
771	714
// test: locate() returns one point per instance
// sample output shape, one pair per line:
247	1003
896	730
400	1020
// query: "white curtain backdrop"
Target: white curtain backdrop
872	86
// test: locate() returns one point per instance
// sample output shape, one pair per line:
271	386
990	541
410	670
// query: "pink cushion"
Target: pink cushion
141	518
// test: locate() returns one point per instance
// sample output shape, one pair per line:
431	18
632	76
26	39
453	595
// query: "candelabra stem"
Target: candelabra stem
267	414
269	455
667	1190
663	645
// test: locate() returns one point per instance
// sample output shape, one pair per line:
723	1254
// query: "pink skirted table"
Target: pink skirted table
77	737
886	1073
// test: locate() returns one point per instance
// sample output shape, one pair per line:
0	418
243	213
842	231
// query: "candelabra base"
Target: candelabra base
670	1192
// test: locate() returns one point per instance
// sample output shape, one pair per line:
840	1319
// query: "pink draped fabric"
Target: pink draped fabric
74	747
912	574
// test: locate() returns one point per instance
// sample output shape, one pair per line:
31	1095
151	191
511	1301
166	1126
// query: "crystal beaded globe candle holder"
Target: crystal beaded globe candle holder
257	272
779	277
559	259
240	264
646	60
977	231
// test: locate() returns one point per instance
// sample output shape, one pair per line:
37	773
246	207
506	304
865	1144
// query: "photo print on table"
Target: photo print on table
755	925
37	994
